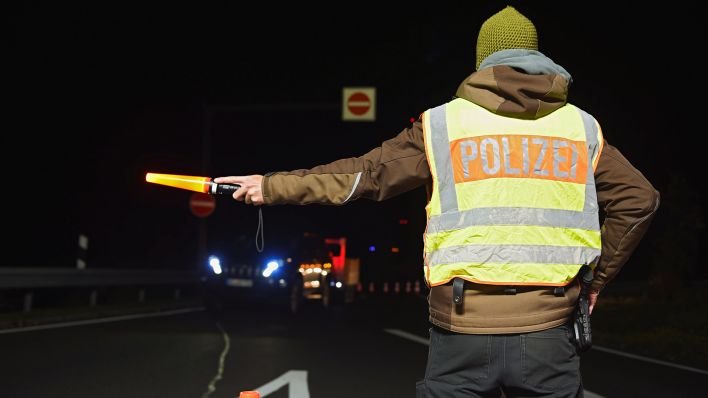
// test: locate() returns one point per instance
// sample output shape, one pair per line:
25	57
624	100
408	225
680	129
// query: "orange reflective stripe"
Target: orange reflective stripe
467	278
427	158
601	140
425	145
519	156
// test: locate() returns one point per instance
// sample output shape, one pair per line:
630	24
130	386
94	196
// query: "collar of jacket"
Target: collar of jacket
523	84
529	61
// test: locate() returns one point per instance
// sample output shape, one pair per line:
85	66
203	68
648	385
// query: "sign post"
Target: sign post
202	205
359	104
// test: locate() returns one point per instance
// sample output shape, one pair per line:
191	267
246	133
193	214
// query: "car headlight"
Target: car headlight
215	264
271	267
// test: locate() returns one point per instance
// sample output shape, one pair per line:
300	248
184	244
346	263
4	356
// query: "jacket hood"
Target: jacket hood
523	84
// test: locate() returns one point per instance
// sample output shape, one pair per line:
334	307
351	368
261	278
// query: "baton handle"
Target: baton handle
223	189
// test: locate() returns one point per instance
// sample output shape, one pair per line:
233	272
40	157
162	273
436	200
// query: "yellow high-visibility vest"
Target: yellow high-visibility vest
513	200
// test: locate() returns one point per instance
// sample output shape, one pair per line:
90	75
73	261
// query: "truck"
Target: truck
327	273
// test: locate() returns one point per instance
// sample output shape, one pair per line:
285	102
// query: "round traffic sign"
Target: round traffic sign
358	103
201	204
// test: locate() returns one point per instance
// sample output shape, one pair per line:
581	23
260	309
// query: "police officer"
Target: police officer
515	176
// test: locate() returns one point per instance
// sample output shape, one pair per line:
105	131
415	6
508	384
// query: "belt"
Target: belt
458	291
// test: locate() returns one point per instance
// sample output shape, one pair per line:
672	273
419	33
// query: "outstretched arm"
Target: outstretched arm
250	190
397	166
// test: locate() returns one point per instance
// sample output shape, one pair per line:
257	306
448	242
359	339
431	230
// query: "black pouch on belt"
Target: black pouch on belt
458	291
582	332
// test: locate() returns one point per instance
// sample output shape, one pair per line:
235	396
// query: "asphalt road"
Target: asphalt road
332	353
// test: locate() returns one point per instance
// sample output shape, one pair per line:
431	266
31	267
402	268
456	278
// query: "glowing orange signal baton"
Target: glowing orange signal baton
192	183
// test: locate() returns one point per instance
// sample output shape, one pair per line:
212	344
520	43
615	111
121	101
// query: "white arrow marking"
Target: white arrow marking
296	381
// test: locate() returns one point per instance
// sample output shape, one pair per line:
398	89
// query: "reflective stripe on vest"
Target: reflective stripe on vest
513	200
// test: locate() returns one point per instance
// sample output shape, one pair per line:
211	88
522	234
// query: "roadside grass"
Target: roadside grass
673	330
42	316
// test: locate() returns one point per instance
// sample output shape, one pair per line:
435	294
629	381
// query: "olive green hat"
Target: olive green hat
505	30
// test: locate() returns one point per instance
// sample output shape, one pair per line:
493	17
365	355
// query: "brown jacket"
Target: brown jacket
399	165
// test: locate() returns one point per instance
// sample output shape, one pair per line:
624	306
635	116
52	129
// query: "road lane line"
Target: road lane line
650	360
220	370
421	340
100	320
424	341
408	336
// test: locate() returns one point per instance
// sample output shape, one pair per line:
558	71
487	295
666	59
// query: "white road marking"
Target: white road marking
424	341
408	336
296	381
650	360
220	370
100	320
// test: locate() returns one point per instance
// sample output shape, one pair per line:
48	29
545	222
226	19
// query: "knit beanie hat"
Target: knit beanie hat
505	30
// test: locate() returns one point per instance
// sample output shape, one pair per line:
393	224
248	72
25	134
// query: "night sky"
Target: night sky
98	95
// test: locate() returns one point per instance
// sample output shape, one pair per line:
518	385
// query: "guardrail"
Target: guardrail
15	278
36	278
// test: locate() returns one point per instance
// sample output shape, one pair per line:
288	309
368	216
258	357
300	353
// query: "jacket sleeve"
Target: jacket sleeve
397	166
629	202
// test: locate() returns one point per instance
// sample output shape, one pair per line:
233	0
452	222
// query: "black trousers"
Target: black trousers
537	364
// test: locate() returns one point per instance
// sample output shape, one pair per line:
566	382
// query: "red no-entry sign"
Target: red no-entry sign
359	103
201	204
